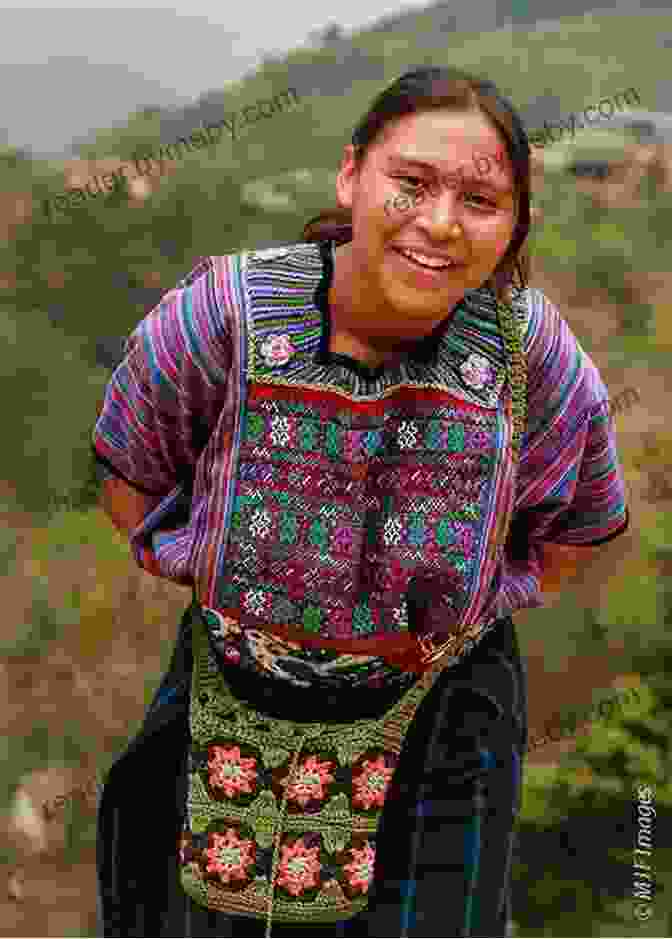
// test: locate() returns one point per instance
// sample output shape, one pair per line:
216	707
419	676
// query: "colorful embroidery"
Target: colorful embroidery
357	508
277	350
331	543
477	371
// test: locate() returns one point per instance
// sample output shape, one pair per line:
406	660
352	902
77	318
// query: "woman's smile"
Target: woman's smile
427	270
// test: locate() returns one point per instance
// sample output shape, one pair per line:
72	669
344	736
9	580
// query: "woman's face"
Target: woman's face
426	174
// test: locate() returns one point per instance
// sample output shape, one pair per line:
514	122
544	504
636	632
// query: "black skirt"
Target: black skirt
446	834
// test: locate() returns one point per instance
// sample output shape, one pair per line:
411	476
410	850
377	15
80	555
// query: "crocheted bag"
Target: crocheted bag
281	815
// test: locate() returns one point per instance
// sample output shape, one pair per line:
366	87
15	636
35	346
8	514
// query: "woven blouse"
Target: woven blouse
430	438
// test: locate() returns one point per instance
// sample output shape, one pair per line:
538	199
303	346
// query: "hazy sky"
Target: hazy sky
67	71
244	30
64	71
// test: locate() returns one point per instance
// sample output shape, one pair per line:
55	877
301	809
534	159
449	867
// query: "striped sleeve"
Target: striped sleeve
162	402
571	488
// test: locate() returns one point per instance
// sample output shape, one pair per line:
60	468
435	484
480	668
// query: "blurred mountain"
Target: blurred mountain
66	72
62	98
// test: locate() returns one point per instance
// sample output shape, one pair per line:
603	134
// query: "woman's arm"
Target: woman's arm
126	508
561	562
161	405
124	505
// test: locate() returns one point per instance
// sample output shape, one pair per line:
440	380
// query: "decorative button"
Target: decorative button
477	371
277	350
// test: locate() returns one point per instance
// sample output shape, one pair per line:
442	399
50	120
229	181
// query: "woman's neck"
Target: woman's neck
349	308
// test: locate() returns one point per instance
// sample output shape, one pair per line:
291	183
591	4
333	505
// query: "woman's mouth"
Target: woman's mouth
432	267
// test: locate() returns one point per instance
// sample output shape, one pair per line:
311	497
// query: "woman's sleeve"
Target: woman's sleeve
163	400
571	486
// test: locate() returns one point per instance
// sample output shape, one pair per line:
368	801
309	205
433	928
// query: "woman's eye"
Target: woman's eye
485	203
413	181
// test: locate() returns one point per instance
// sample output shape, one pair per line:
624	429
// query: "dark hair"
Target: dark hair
445	87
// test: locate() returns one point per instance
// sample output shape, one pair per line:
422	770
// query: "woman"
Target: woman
360	451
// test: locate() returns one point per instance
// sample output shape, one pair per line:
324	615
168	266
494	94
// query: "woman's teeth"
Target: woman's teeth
425	261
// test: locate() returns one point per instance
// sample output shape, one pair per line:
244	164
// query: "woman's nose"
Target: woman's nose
441	211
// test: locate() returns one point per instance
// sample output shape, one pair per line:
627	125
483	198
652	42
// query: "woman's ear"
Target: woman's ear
346	177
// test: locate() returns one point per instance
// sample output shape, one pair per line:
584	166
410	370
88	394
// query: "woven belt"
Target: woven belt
412	653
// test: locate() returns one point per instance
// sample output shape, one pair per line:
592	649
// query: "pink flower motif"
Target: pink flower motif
312	777
360	870
352	444
277	350
299	867
465	539
229	856
371	785
478	439
477	371
343	539
230	771
232	655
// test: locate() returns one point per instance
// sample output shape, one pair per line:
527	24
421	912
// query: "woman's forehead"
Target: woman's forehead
443	134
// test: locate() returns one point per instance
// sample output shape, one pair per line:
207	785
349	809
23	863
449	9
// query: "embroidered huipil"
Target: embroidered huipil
344	502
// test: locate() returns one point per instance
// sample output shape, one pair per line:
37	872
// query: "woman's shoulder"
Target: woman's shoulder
296	255
546	332
558	366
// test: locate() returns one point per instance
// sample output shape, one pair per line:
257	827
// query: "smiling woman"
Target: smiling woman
329	438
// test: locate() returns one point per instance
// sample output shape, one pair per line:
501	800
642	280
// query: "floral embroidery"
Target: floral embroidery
444	533
477	371
371	442
352	444
277	350
343	539
255	426
299	867
371	785
231	772
312	619
392	531
229	856
363	619
260	523
407	435
312	778
455	438
309	434
280	431
288	527
255	601
400	615
417	531
360	870
318	535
